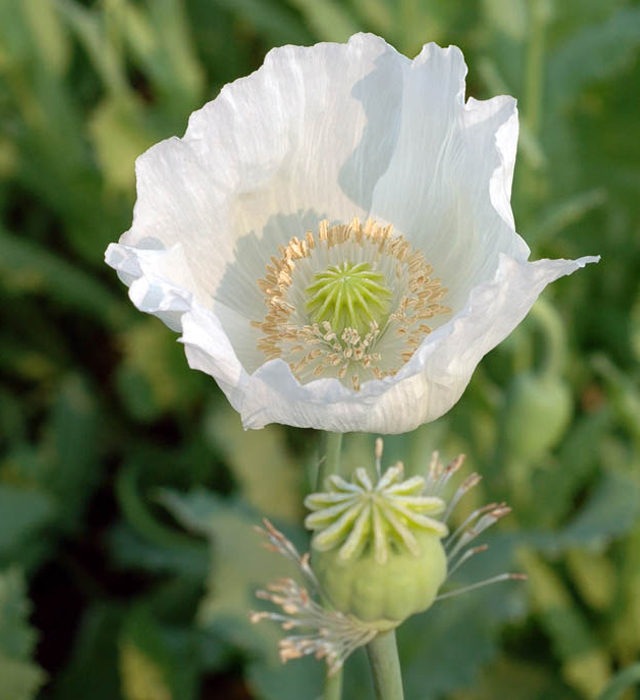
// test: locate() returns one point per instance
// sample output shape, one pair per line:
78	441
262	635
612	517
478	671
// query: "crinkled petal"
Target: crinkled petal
333	131
448	185
424	389
303	138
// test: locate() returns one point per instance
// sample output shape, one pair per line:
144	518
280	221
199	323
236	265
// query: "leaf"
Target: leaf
611	511
267	474
593	53
50	39
586	665
154	376
240	565
622	681
119	134
130	551
441	650
534	682
157	662
278	681
94	648
327	18
21	679
70	449
142	679
28	267
595	577
509	16
90	28
24	513
160	39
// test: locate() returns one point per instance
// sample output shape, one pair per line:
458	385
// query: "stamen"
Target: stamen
356	293
336	635
481	584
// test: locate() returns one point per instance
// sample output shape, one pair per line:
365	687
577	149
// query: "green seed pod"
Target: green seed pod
376	552
383	594
537	412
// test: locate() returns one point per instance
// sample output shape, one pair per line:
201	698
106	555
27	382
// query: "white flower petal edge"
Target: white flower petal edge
176	256
424	389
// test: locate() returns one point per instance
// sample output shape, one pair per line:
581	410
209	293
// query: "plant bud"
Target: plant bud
376	551
537	412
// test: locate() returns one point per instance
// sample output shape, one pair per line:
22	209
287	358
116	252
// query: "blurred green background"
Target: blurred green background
128	489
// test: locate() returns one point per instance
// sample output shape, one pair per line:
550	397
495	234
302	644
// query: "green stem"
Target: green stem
385	666
330	449
330	464
333	686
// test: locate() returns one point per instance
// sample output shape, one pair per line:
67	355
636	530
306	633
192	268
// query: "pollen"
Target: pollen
350	302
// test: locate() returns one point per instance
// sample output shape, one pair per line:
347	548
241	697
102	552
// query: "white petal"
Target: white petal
448	184
332	131
303	138
427	386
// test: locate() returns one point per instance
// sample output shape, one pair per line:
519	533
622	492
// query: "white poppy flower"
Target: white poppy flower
334	239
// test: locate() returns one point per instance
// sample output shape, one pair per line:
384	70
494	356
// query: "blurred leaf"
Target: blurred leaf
621	682
612	511
625	395
131	551
534	682
595	577
27	267
154	375
442	650
377	14
509	16
585	664
51	41
95	648
268	475
152	665
558	216
24	513
105	54
120	134
141	678
278	681
161	41
21	679
593	53
241	565
577	461
70	449
329	19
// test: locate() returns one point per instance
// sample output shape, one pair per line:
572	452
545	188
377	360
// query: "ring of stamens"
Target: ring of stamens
314	292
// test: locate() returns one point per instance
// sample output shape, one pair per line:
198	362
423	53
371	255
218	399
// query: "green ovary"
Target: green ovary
348	295
383	594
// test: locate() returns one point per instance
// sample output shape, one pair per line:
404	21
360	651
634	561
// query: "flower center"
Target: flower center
349	302
348	295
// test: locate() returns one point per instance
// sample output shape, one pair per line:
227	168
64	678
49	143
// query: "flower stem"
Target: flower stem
385	666
330	449
330	462
333	686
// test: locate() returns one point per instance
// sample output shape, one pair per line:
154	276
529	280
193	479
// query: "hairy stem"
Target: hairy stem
385	666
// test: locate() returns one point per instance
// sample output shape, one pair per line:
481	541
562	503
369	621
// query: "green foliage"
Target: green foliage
21	678
128	490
